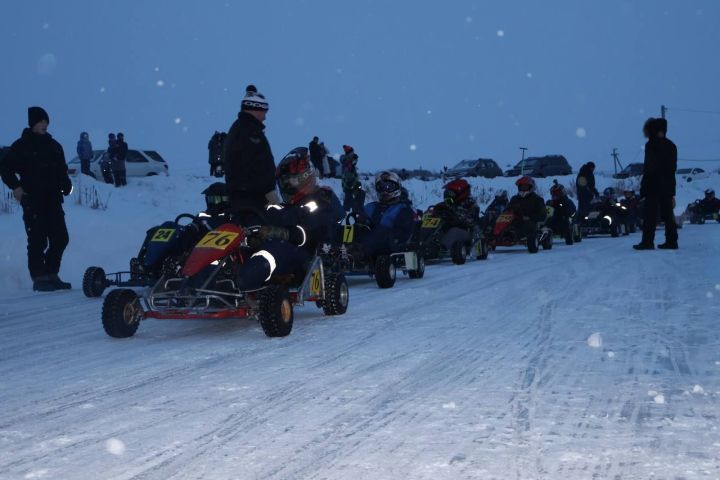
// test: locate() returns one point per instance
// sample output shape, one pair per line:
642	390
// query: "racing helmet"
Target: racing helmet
388	186
709	193
609	193
629	193
296	175
525	185
557	191
502	193
456	191
217	198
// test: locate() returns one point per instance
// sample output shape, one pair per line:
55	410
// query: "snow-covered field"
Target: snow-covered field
590	361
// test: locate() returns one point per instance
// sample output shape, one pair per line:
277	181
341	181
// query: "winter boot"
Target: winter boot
43	283
644	246
59	284
668	246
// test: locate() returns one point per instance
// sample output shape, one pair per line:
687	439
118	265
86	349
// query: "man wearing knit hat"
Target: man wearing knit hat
248	161
36	172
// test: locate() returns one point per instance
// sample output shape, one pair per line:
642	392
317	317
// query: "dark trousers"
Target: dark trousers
47	238
663	205
85	167
119	176
288	258
354	200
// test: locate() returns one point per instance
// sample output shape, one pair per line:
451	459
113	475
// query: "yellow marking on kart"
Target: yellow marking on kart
217	239
316	282
429	221
549	210
348	233
163	235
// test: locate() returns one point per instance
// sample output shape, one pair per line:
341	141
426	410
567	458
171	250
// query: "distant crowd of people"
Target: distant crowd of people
112	161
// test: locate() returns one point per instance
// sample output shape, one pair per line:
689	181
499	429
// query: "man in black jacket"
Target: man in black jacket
36	172
248	161
119	172
658	185
317	153
585	184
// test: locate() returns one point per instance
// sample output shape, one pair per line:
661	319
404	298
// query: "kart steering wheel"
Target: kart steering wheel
185	215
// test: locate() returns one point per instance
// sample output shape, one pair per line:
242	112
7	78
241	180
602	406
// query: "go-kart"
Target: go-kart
205	288
165	248
507	233
352	260
437	237
603	219
698	215
564	227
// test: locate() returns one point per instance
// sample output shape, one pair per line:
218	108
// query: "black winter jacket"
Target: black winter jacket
248	162
659	168
585	182
37	164
531	206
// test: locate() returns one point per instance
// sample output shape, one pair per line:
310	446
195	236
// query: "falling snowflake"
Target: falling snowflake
102	89
501	33
185	129
160	83
157	69
46	26
468	19
580	132
529	75
178	120
429	112
709	295
413	147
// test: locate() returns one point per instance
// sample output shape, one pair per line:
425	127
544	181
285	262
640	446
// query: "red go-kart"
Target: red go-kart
507	233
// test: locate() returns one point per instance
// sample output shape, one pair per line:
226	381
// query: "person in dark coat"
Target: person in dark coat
36	172
562	209
106	161
119	172
528	205
293	231
85	153
585	185
657	186
215	150
353	194
247	159
317	153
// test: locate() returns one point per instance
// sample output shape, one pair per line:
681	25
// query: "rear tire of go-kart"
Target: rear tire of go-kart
385	271
275	311
121	313
532	244
93	284
337	294
547	242
420	272
458	253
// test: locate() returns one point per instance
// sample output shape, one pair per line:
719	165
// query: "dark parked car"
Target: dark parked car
547	166
480	167
631	170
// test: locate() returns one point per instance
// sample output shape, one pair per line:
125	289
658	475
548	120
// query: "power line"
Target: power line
698	160
673	109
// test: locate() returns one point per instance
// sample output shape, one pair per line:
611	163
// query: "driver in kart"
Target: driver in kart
459	208
292	231
388	222
528	206
563	209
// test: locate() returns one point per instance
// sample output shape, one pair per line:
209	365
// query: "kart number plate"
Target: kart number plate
549	210
316	282
218	240
163	235
593	215
505	218
348	233
430	222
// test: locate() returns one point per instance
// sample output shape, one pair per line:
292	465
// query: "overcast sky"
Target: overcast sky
407	83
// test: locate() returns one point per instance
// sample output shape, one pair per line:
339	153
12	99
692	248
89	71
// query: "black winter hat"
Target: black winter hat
36	115
254	100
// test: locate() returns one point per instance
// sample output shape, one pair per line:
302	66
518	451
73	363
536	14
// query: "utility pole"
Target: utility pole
663	109
522	161
616	160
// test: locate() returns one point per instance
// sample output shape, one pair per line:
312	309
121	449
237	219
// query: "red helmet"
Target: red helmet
557	191
457	191
296	175
525	185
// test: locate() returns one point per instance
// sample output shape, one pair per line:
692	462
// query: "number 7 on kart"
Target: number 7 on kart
217	239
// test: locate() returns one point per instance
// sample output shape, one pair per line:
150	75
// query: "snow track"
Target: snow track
479	371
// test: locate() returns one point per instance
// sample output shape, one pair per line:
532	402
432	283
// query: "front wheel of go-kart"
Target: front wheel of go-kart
420	271
94	282
337	294
483	250
385	271
121	313
532	243
458	253
275	311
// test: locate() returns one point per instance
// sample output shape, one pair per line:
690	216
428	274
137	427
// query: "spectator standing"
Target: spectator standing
85	153
119	172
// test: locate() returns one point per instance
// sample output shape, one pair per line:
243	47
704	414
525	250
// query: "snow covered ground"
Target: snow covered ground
590	361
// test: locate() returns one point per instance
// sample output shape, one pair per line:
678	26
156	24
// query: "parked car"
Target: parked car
631	170
480	167
689	174
547	166
138	163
